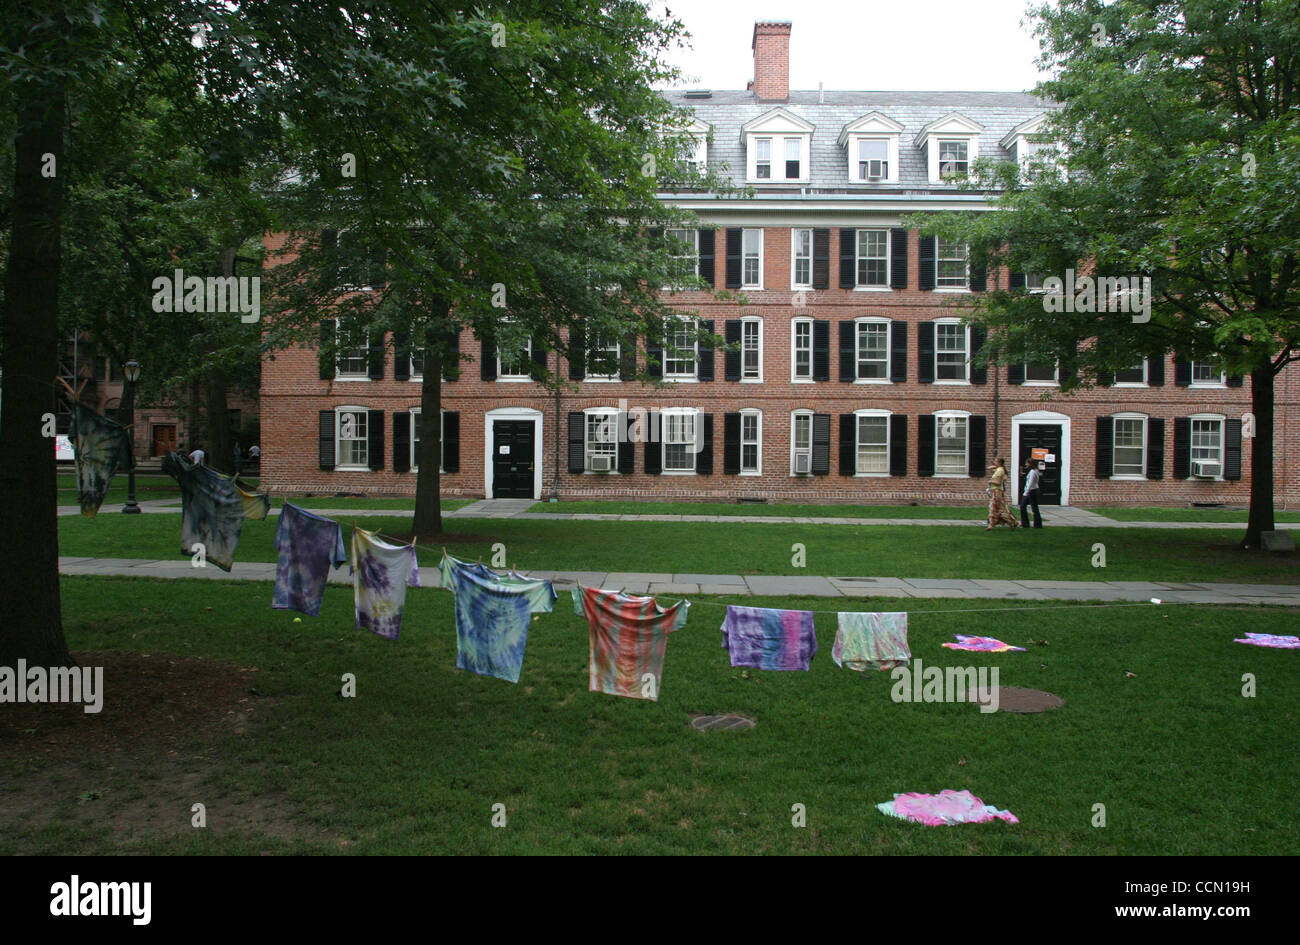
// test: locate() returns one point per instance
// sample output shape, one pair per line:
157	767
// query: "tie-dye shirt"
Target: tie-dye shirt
871	641
380	575
492	618
629	639
101	448
944	809
761	638
212	510
308	545
1273	640
982	645
541	593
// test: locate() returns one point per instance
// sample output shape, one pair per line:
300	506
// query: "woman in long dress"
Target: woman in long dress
999	514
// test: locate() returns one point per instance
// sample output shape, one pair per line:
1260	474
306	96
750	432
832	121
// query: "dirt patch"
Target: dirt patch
1016	699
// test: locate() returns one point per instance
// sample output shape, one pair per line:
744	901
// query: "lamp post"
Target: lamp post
131	370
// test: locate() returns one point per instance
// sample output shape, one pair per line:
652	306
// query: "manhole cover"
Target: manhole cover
709	723
1016	699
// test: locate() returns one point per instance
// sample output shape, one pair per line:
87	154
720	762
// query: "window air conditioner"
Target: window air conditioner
602	463
802	464
1204	470
874	170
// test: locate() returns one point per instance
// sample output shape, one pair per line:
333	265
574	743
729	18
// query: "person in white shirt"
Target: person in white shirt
197	456
1030	496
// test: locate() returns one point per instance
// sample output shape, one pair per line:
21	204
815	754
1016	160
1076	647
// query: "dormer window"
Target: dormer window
871	146
873	159
954	159
951	145
778	146
1028	146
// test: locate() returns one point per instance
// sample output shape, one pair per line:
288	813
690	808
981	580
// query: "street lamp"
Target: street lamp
131	370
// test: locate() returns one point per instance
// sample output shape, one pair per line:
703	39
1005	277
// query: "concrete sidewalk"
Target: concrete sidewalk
732	585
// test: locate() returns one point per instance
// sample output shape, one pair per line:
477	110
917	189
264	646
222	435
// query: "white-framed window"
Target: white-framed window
952	265
603	359
360	267
872	359
1206	447
801	443
1042	375
801	263
1132	377
777	146
681	351
801	349
601	438
1034	282
351	438
698	158
872	442
873	259
352	361
417	364
680	429
793	158
763	158
873	163
951	145
1129	446
415	438
751	258
954	158
751	349
751	442
514	365
684	248
951	351
951	431
871	149
1207	374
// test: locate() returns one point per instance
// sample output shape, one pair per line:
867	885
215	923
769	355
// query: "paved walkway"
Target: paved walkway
732	585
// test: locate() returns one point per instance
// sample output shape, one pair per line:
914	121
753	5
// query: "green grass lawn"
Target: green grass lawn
751	508
353	502
1184	764
1128	514
756	548
147	486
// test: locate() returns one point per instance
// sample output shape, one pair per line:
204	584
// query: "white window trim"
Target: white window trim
586	443
666	412
349	378
761	240
801	412
951	381
692	238
752	412
410	367
1223	445
1146	375
1206	385
794	377
777	156
889	259
751	319
1055	382
526	354
606	378
889	349
932	145
891	153
338	438
1146	432
953	289
415	412
692	378
939	417
857	445
794	256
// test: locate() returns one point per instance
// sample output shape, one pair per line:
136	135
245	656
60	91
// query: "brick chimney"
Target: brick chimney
771	61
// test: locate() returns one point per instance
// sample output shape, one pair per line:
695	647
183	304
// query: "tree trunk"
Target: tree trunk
1261	457
32	625
428	481
220	445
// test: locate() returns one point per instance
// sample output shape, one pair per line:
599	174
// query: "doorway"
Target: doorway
164	439
513	458
1047	440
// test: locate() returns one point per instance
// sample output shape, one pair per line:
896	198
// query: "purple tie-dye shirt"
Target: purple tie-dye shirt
308	547
769	639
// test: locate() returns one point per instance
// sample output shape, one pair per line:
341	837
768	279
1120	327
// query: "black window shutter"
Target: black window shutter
848	351
1232	453
451	441
704	461
1017	280
925	352
451	362
1156	371
1105	379
577	352
488	361
1155	449
1182	447
978	375
976	460
376	366
821	268
402	441
1015	373
577	442
848	444
706	238
821	444
375	434
626	448
1235	380
705	367
654	350
401	356
1105	447
627	359
898	258
898	445
1182	373
848	258
327	439
731	360
731	444
925	444
926	273
654	452
329	239
733	257
821	350
979	276
898	352
539	357
326	355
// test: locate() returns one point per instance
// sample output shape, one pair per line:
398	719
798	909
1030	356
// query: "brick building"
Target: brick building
852	382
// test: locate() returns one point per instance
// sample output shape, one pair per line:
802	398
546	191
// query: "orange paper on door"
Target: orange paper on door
1037	454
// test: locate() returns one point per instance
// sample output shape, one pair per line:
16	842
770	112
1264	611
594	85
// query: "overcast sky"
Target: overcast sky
867	45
